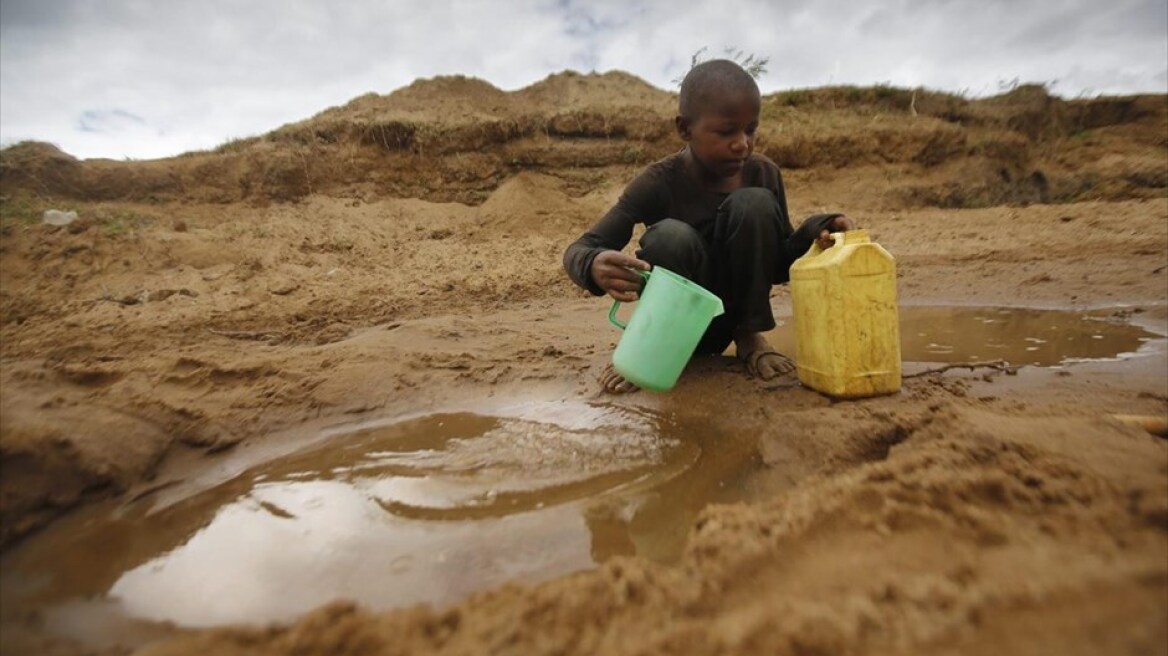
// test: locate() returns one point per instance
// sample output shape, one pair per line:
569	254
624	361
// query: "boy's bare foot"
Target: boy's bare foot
615	383
761	358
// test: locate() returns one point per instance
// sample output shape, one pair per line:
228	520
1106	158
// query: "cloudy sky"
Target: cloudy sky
153	78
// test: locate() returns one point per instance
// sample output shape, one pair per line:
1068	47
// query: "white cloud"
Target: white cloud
200	73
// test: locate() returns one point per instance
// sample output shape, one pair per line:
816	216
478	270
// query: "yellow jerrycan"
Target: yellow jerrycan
847	331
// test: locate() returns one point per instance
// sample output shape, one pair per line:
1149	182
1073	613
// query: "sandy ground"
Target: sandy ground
972	513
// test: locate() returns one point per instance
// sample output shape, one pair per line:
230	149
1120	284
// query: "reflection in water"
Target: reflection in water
334	542
424	510
1020	336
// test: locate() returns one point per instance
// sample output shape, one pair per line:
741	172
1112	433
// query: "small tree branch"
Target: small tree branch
247	334
996	365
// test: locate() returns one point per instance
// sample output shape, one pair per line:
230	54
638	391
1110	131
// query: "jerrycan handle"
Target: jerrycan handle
857	236
616	305
837	237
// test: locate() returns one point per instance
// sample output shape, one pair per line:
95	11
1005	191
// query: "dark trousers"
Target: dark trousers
739	259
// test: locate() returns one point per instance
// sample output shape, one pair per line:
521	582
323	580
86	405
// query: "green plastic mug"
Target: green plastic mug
671	316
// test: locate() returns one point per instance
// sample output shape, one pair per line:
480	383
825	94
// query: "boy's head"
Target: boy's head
709	84
717	115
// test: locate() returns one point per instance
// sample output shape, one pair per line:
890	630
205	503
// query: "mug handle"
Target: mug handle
616	305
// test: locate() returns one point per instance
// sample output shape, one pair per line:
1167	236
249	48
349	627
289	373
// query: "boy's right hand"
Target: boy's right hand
613	271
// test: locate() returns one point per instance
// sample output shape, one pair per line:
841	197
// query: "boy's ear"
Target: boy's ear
683	127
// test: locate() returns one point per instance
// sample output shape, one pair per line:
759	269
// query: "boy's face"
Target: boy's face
722	136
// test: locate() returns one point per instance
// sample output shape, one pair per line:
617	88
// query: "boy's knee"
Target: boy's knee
670	235
750	203
674	244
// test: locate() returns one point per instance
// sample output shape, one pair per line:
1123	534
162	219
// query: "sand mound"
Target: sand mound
444	100
615	89
540	204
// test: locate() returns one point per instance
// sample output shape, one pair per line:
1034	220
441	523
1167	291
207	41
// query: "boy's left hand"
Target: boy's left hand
840	223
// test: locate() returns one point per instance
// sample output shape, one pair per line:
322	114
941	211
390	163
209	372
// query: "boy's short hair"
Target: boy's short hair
709	80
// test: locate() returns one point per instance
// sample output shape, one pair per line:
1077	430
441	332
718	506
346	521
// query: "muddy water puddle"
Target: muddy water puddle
1020	336
427	509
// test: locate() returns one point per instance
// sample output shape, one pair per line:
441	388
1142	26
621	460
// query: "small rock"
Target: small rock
79	226
146	296
283	287
59	218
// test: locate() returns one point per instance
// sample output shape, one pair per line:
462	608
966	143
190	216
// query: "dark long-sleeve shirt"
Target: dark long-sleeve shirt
666	189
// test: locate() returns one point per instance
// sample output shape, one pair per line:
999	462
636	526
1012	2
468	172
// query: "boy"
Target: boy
715	213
